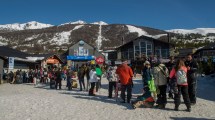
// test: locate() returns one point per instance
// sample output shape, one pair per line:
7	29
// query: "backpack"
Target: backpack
181	77
110	76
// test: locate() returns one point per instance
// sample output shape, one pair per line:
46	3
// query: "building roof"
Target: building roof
9	52
184	52
40	57
83	42
67	52
210	46
145	37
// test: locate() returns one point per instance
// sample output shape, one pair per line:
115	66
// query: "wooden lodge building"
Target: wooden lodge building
144	46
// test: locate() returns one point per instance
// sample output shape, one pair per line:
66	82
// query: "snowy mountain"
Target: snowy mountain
24	26
99	34
76	22
192	37
202	31
31	36
99	23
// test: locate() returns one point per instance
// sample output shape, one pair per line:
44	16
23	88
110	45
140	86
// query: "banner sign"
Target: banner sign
71	57
100	60
81	51
11	63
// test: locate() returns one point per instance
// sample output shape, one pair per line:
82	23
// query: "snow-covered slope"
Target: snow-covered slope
99	23
25	26
63	37
138	30
76	22
202	31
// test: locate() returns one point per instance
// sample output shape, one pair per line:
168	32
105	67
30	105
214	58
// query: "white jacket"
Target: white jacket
160	74
93	76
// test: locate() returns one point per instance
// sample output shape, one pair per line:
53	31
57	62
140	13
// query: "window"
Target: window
149	52
125	54
149	49
143	44
137	48
149	46
158	52
137	51
131	53
164	53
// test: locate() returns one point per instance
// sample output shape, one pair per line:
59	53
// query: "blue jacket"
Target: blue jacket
147	75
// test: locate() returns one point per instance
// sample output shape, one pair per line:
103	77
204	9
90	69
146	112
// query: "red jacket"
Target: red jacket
125	74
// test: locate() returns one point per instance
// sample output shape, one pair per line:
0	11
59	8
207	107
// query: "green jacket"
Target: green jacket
98	71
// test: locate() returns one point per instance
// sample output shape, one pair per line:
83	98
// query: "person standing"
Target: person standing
81	74
125	75
99	75
112	78
148	78
69	78
192	68
180	73
87	71
11	76
58	79
93	80
170	65
161	74
146	72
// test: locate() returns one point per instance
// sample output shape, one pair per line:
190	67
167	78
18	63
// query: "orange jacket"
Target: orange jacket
125	74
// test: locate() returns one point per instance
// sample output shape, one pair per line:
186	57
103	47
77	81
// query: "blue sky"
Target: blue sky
160	14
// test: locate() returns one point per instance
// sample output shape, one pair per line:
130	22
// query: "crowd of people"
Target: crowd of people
176	77
160	81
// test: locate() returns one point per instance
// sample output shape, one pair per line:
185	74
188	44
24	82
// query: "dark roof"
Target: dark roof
9	52
46	56
145	37
211	46
83	41
42	55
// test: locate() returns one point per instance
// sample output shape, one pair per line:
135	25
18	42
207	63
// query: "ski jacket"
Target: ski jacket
191	74
173	74
160	74
93	76
125	74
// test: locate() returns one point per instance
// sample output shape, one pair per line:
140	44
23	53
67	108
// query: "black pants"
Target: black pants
81	82
88	82
98	84
129	92
162	95
110	90
92	88
192	91
177	96
58	82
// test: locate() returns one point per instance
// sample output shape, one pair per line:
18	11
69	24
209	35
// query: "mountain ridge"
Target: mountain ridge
99	34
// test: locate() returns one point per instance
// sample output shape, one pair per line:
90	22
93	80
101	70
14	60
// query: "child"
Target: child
145	100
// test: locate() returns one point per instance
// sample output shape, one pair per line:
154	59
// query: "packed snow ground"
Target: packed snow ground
27	102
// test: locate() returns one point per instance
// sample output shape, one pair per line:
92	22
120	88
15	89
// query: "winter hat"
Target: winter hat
146	63
124	61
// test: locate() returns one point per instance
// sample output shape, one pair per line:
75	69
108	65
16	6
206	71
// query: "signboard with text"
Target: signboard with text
100	60
11	63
